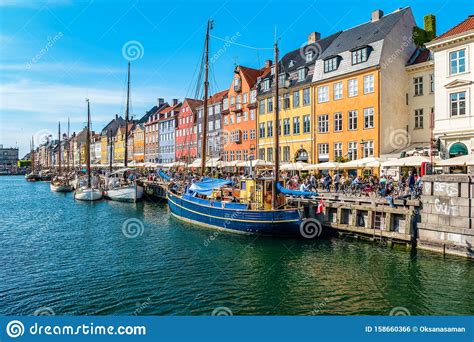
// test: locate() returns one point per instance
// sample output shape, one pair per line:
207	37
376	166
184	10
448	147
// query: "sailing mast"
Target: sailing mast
206	89
277	135
88	145
59	148
126	118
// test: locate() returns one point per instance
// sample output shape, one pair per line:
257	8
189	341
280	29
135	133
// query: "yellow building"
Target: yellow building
360	90
296	111
119	145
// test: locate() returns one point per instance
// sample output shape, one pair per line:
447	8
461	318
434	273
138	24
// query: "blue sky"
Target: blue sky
56	53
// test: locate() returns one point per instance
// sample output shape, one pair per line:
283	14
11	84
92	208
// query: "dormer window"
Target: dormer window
237	84
309	56
266	85
331	63
360	55
272	70
281	80
302	74
291	64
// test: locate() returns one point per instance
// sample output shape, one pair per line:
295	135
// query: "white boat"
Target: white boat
60	187
87	194
125	193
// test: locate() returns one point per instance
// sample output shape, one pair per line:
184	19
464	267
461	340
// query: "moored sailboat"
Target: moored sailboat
60	183
88	192
123	188
254	206
32	176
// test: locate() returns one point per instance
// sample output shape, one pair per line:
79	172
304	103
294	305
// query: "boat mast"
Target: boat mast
276	127
206	89
88	146
125	163
59	149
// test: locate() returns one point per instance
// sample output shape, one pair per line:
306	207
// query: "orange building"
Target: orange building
239	114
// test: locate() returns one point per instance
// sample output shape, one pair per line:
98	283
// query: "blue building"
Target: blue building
166	137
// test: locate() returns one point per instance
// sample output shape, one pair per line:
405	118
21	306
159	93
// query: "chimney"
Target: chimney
429	25
268	63
116	116
376	15
313	37
175	102
160	101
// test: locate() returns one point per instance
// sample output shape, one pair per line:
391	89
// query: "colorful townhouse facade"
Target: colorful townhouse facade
167	122
296	70
214	148
150	121
119	143
107	136
359	88
138	138
453	53
186	131
239	114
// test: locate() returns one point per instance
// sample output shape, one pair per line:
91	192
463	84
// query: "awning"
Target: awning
408	161
458	149
323	166
361	163
298	166
229	163
206	186
467	160
255	163
210	162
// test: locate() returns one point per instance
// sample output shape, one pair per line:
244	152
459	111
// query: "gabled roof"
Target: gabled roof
465	25
152	111
193	104
112	126
250	74
217	97
364	34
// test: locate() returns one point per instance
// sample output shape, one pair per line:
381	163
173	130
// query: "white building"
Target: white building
454	62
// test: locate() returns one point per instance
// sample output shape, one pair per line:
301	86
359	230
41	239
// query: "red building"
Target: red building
186	131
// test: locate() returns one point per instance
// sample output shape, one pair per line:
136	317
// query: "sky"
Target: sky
56	53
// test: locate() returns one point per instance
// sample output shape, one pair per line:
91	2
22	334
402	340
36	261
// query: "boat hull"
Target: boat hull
269	222
130	193
88	194
60	188
32	178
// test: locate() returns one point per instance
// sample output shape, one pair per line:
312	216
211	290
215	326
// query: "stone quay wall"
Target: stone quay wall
447	216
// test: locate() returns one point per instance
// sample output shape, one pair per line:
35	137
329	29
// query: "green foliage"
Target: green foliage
419	36
340	159
430	26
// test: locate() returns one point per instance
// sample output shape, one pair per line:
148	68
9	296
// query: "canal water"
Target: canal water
66	257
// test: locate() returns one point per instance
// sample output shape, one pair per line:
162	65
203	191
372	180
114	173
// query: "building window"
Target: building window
246	97
286	126
369	117
261	131
458	103
252	134
281	80
266	85
252	114
269	154
331	64
261	107
418	83
457	62
337	122
301	74
360	56
269	105
225	104
368	84
431	83
323	94
352	150
269	129
296	99
352	86
337	150
246	116
253	96
306	123
306	97
296	125
309	56
323	151
286	101
246	135
418	118
352	120
323	123
337	90
261	153
286	153
369	149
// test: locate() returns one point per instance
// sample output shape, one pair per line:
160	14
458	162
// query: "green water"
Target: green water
73	258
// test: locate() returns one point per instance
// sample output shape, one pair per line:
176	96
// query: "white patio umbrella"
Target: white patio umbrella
323	166
255	163
298	166
466	160
364	162
408	161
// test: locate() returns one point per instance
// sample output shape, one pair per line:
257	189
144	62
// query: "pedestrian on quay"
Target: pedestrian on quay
337	179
